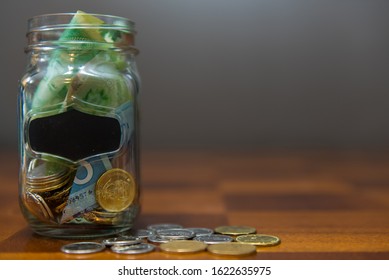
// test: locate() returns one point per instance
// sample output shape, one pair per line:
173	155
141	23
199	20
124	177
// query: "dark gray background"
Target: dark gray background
239	74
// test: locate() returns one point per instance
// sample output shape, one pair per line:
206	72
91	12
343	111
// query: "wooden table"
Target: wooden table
322	204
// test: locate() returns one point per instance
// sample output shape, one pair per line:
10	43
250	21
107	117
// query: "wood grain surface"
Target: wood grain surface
321	204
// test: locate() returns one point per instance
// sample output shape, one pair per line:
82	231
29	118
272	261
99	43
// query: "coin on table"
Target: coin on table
183	246
175	233
214	238
115	190
82	248
232	248
122	240
259	239
201	231
133	249
142	233
157	239
156	227
235	230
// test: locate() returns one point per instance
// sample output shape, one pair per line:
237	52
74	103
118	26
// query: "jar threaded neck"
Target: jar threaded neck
80	29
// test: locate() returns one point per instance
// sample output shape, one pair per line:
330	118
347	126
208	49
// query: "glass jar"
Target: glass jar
78	126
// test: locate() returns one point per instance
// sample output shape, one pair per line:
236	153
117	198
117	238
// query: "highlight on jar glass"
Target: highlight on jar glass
79	126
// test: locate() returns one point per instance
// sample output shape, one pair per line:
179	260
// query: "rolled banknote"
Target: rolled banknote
99	83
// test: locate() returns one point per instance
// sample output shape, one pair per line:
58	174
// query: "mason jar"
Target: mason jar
78	118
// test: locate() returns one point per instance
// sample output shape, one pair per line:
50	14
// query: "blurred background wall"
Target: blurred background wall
239	74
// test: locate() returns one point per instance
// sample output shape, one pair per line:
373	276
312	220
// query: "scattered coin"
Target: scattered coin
133	249
174	238
156	227
235	230
259	239
201	231
157	239
122	240
175	233
115	190
143	233
183	246
214	238
232	248
82	248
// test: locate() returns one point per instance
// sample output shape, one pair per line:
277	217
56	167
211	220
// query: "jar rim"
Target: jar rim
55	21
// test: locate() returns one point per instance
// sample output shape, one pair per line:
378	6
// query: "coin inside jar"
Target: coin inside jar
38	207
115	190
47	188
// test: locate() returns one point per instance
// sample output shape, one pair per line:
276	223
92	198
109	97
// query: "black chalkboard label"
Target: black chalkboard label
74	135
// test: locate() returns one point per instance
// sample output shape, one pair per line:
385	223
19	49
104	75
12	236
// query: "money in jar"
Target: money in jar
78	126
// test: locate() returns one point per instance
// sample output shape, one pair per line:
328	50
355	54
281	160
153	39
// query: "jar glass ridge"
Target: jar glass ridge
79	126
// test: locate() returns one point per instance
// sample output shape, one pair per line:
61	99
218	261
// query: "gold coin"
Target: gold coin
115	190
231	248
60	207
235	230
183	246
38	207
102	217
259	239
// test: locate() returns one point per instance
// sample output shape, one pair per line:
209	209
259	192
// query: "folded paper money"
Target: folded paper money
80	73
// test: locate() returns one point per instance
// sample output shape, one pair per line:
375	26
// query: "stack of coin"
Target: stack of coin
47	189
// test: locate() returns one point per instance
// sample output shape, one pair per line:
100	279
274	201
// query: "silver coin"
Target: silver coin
175	234
156	227
82	248
201	231
157	239
143	233
122	240
133	249
214	238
